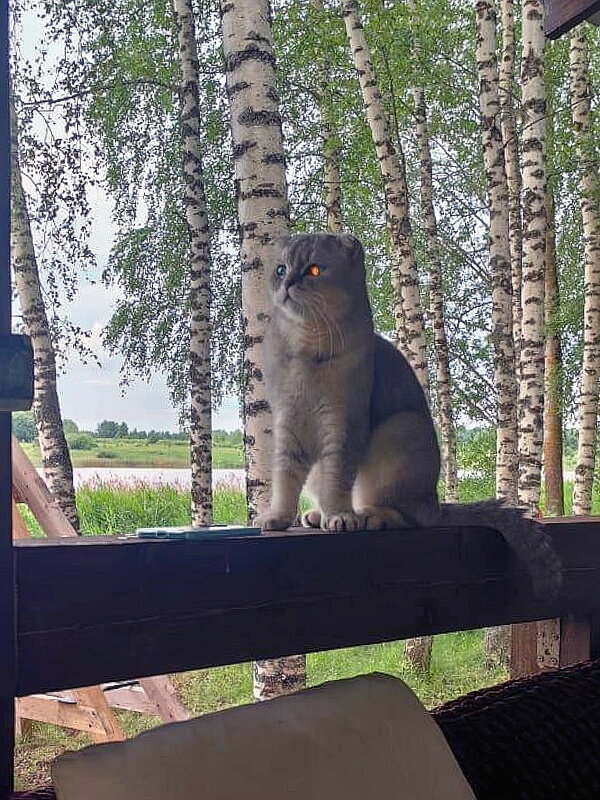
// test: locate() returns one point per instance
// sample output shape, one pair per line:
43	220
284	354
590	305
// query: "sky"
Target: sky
90	393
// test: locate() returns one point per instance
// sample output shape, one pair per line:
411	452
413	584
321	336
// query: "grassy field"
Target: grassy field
141	453
457	664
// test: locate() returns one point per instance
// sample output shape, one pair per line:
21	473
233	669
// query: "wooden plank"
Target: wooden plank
562	15
164	699
575	642
59	712
30	488
176	605
93	696
523	650
130	698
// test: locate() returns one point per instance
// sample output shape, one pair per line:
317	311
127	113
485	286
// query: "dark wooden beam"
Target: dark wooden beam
96	610
562	15
7	627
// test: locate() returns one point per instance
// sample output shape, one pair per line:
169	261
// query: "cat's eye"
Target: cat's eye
313	270
281	270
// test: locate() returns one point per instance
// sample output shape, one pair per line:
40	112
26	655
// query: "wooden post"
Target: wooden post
7	620
548	644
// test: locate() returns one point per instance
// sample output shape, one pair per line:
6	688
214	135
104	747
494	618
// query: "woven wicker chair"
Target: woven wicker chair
532	739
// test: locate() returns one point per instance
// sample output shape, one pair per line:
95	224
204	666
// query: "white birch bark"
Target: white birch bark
436	303
589	184
500	257
56	459
405	280
262	210
506	90
200	266
263	217
531	387
553	443
330	143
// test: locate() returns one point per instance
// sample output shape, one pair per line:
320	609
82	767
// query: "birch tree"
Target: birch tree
589	187
553	450
436	301
405	279
506	94
263	217
56	458
499	253
330	141
531	385
199	270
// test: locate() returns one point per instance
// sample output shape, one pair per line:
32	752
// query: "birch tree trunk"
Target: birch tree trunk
553	443
330	142
497	638
436	302
56	459
263	213
200	266
405	279
506	92
500	257
589	184
531	388
263	217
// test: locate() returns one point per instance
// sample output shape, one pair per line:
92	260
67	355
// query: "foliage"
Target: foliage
23	426
81	441
70	427
119	69
109	429
477	452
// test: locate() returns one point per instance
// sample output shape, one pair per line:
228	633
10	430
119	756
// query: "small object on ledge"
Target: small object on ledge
184	532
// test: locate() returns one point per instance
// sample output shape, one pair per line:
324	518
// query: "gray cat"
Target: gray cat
351	423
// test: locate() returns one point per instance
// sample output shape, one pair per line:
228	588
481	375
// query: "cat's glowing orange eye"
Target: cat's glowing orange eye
314	271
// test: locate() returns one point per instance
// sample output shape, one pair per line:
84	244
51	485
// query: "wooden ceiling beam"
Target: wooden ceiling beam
562	15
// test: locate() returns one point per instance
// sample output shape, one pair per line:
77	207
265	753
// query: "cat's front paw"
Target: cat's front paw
311	518
273	521
343	521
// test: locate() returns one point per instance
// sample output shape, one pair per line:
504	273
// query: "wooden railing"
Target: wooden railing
99	609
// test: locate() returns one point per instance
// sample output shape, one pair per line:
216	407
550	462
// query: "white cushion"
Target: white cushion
366	738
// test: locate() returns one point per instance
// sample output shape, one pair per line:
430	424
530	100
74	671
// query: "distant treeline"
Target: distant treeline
23	426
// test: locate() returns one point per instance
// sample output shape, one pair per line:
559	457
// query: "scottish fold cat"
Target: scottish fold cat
351	423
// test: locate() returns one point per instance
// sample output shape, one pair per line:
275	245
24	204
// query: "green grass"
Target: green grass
142	453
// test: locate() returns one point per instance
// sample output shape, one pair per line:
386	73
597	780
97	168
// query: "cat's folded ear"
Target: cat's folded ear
353	246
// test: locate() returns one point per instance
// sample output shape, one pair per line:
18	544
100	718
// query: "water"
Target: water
156	476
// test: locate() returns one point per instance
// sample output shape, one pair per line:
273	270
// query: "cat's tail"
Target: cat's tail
526	536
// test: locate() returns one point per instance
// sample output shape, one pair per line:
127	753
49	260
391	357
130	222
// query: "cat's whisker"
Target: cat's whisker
317	327
331	322
321	315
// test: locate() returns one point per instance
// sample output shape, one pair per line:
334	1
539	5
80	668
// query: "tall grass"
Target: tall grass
119	507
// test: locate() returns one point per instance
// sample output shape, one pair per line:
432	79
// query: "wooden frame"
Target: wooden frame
175	605
7	630
562	15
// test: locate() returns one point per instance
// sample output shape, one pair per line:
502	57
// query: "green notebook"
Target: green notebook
183	532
